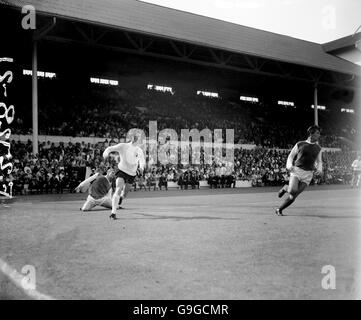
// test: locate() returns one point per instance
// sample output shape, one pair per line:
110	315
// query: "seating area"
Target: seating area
110	112
60	168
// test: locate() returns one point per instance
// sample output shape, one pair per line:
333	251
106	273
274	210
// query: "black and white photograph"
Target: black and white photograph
191	152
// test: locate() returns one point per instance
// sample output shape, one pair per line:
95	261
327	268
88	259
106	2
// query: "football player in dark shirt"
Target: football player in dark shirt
100	190
304	159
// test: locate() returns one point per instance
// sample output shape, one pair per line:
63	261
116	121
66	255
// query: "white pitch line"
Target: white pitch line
17	279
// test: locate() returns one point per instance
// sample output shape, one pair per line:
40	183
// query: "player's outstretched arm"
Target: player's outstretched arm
318	163
83	186
111	149
291	157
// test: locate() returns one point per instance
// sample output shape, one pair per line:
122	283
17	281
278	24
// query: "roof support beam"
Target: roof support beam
226	59
282	69
189	54
199	62
132	41
222	59
147	45
250	62
260	65
214	56
176	49
45	30
92	38
104	33
82	32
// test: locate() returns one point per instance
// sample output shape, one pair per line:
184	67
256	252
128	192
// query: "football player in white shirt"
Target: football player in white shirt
131	157
356	167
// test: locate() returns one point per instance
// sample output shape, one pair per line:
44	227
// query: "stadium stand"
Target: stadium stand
103	113
62	167
206	54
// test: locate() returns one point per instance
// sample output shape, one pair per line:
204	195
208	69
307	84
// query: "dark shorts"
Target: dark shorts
127	178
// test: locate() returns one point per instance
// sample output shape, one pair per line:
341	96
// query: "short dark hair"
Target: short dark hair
313	129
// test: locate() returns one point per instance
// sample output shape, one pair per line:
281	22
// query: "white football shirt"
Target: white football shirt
130	156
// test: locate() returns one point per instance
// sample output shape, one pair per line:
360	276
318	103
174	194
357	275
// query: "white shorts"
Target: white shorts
302	175
91	202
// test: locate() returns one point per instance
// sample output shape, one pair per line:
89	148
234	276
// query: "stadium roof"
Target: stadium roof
343	43
159	21
347	48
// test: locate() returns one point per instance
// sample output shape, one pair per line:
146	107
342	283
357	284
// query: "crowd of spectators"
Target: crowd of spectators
63	166
111	112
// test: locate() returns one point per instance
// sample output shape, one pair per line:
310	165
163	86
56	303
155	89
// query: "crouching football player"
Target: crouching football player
100	190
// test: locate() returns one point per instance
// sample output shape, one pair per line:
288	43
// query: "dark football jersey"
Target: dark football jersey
99	187
307	154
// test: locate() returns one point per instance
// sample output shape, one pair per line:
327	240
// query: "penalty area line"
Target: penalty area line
17	279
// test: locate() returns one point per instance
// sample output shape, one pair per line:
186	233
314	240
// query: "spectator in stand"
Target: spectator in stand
163	182
180	181
141	183
195	179
186	179
151	181
231	181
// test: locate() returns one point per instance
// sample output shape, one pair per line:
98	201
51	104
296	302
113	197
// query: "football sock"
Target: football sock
115	201
288	201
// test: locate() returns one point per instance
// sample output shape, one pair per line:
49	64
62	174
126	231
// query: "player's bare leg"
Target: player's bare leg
295	187
283	190
119	185
126	189
108	204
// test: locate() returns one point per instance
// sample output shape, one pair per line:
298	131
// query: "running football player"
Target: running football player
131	158
304	160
